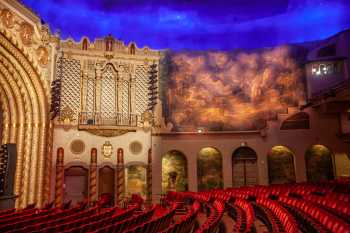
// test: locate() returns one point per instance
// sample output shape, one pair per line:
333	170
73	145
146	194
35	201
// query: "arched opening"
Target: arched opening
174	171
319	164
132	49
209	169
136	183
85	44
244	167
76	183
281	165
106	183
300	120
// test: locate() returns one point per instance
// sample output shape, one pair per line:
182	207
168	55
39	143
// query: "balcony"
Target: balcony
108	121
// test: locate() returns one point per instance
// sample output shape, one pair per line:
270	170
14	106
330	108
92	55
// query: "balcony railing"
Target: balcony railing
109	119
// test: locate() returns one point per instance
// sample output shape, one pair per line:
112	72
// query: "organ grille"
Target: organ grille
70	93
141	89
108	95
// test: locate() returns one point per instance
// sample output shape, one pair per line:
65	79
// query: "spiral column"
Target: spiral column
59	177
93	177
120	177
149	176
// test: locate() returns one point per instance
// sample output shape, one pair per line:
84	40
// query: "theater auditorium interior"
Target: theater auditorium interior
175	116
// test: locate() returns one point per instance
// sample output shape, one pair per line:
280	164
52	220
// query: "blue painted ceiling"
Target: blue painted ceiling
196	24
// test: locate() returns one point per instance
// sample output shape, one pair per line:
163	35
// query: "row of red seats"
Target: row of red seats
186	223
156	224
60	216
287	220
94	225
247	221
128	223
327	220
212	222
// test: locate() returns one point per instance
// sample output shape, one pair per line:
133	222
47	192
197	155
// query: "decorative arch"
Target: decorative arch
174	171
244	167
76	183
27	121
319	163
136	179
209	169
281	165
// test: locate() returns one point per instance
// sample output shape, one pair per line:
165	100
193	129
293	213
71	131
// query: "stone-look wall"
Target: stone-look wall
323	130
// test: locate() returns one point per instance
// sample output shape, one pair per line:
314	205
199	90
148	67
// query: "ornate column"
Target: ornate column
93	177
59	177
48	164
98	90
120	177
149	176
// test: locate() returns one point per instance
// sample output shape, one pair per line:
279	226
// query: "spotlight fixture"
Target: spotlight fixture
152	88
56	91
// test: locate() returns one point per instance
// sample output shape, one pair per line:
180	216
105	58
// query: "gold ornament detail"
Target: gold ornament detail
43	56
26	33
7	18
67	115
45	34
108	132
107	149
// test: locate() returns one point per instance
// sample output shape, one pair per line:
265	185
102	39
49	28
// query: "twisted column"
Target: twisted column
120	177
149	176
93	177
59	178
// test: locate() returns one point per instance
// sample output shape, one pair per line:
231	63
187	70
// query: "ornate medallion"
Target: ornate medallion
26	33
7	18
107	149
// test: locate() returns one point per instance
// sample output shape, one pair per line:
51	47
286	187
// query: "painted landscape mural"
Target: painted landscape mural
136	180
231	90
209	169
318	159
174	171
281	165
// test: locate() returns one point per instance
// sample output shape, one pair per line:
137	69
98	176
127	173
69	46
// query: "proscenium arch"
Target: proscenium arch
319	163
175	161
281	167
19	76
245	158
209	169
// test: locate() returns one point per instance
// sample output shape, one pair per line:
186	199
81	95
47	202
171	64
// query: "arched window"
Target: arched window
299	120
174	171
244	167
281	165
209	169
85	44
319	164
132	49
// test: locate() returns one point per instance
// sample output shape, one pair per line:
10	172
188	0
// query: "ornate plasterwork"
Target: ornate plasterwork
108	132
25	72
